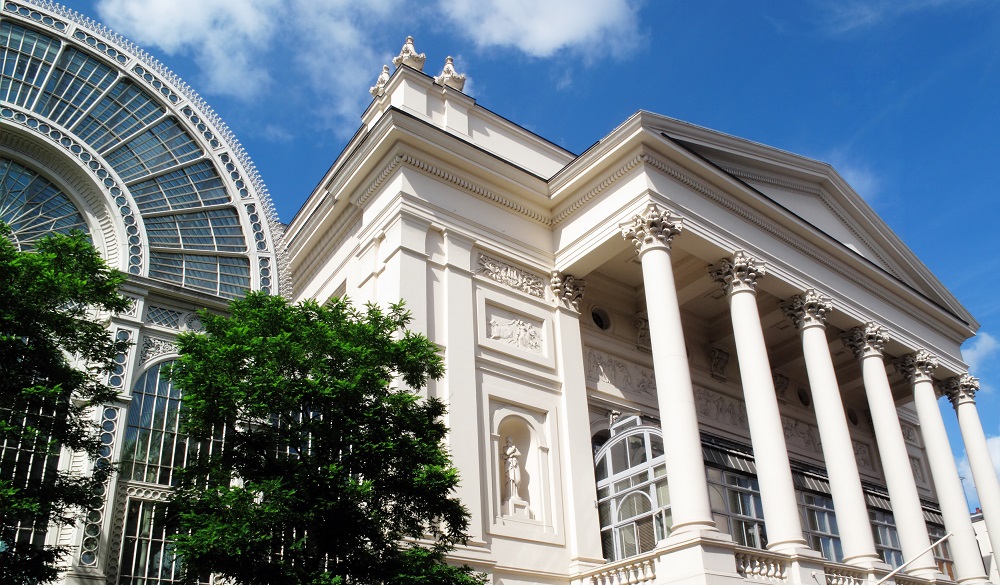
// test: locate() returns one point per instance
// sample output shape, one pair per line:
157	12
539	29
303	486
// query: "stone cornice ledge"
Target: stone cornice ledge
412	161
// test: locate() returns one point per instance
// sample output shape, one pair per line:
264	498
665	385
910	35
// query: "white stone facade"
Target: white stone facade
615	304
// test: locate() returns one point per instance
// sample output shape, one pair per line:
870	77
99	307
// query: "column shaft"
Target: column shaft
951	496
774	474
652	233
983	472
675	396
838	450
867	343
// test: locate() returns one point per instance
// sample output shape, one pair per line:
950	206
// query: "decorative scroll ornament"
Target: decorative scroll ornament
866	341
511	276
653	228
408	56
808	309
567	290
737	274
780	385
378	90
643	339
720	362
154	346
449	76
917	367
960	390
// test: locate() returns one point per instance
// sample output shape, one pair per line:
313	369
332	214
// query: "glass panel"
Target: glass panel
655	446
644	531
164	145
75	85
33	206
633	505
124	111
619	458
27	57
636	450
662	494
627	541
601	471
225	276
216	230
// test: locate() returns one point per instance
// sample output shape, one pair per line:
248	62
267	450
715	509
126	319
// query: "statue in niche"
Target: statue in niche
511	456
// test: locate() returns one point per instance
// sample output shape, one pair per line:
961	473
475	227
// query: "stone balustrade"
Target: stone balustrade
760	565
837	574
640	570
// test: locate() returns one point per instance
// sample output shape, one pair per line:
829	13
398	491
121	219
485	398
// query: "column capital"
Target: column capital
567	290
918	366
737	274
866	341
808	309
653	228
961	389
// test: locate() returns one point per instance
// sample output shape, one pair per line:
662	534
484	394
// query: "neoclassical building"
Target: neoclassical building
678	357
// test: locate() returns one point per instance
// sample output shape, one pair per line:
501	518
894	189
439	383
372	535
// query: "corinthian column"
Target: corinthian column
652	233
867	344
918	368
738	277
809	312
962	393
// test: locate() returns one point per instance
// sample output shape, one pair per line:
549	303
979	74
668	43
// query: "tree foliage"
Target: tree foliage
54	358
327	472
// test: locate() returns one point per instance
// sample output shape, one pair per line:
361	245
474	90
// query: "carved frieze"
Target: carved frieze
515	330
642	340
719	362
801	434
511	276
910	434
918	470
721	408
626	377
862	454
780	385
154	346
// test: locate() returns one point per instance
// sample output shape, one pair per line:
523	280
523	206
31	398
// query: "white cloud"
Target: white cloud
541	28
336	48
857	173
979	351
225	38
845	16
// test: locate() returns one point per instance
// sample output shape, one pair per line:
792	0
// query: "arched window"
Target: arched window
633	499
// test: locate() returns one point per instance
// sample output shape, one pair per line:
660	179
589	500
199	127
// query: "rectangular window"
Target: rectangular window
736	506
942	552
886	537
819	525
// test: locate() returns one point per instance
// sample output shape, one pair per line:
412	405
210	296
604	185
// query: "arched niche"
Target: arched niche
531	503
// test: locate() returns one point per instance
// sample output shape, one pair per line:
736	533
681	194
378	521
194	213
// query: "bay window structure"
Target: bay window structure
632	494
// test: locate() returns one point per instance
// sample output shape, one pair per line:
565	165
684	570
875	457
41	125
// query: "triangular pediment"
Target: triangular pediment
814	192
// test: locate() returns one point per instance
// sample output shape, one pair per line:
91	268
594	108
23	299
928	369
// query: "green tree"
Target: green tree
327	472
54	358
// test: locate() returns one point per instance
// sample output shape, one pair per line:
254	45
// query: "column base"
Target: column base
867	562
697	557
797	548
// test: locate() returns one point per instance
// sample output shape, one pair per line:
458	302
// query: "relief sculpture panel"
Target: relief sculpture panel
514	329
626	377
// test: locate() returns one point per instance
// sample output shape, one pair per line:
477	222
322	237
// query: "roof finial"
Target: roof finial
378	90
449	76
408	56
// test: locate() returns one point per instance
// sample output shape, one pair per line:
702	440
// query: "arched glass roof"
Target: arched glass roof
188	205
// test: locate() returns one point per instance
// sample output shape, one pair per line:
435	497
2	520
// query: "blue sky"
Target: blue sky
901	96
